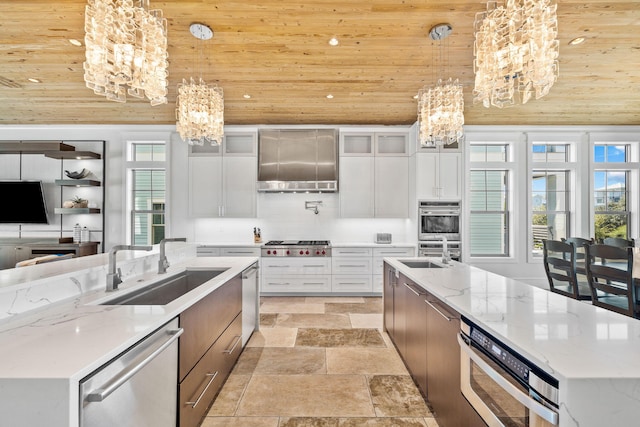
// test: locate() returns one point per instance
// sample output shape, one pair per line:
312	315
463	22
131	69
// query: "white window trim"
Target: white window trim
145	138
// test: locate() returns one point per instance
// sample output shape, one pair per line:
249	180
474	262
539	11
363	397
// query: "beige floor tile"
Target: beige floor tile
296	360
313	320
309	422
290	300
268	320
364	361
397	396
227	400
247	361
317	337
382	422
240	422
312	300
373	320
286	307
307	395
370	305
273	337
431	422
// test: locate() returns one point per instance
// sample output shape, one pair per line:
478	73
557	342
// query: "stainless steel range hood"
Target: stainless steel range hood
298	160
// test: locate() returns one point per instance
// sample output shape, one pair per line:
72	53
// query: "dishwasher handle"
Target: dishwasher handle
100	394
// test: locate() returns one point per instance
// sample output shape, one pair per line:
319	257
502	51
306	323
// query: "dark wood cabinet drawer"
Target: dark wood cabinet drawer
200	387
205	321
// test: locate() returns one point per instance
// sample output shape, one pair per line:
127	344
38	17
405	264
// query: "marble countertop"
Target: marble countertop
72	338
568	339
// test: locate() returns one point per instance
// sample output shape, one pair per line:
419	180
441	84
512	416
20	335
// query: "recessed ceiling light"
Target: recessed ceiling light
246	96
75	42
334	41
330	96
576	41
32	80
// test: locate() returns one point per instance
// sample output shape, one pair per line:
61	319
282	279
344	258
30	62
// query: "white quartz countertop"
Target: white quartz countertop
72	338
566	338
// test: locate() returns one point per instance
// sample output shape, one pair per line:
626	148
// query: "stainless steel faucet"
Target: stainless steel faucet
446	256
163	262
115	278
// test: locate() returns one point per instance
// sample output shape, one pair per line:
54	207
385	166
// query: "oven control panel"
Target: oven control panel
508	360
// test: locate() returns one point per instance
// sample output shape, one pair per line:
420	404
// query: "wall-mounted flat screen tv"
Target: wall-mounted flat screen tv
22	203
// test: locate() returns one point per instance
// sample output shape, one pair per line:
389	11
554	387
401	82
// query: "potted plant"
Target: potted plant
79	202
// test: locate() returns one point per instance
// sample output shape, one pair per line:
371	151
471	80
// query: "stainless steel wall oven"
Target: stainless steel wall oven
439	220
506	389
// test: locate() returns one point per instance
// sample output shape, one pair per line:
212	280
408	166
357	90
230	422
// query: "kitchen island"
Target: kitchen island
46	352
592	352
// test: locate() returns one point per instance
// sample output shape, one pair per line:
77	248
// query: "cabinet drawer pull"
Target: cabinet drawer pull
413	290
320	266
313	283
235	344
353	265
195	403
449	318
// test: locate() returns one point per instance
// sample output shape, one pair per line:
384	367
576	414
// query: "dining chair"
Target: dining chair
619	242
610	274
579	246
560	266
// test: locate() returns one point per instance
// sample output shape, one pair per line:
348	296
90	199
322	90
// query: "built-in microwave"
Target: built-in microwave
439	220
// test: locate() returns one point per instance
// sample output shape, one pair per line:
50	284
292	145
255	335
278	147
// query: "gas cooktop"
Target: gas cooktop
296	248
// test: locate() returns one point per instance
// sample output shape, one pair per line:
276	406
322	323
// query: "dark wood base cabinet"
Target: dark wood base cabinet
208	350
425	330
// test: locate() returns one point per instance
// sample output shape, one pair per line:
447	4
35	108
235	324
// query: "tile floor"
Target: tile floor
319	362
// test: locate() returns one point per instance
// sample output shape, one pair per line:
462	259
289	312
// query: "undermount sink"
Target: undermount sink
165	291
420	264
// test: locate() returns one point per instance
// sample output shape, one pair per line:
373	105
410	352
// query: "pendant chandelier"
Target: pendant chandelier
516	52
200	107
441	107
126	46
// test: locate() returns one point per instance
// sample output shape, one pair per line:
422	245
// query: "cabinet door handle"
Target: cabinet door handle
235	344
318	266
449	318
195	402
413	290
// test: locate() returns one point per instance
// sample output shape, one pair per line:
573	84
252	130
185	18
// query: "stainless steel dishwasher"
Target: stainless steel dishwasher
138	388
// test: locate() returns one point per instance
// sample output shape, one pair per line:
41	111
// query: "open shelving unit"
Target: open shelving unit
71	154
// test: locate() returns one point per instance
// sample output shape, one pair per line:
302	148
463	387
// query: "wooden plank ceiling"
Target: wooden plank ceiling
277	51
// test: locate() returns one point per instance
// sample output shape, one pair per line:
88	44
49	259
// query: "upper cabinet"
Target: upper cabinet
438	175
374	175
222	178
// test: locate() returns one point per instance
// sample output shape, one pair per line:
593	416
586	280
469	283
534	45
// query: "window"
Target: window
611	190
550	194
488	220
550	207
147	192
488	153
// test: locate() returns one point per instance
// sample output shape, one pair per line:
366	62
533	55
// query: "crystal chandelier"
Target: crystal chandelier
200	107
516	52
441	107
126	45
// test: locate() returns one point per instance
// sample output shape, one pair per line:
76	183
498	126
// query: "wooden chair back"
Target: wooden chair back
619	242
560	266
610	274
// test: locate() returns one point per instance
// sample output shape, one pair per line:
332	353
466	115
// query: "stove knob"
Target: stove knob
268	252
301	252
307	252
324	253
274	252
317	252
288	252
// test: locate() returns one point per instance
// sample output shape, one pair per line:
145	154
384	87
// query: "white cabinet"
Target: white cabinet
359	269
222	179
351	268
214	251
391	198
374	177
378	262
294	275
439	175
